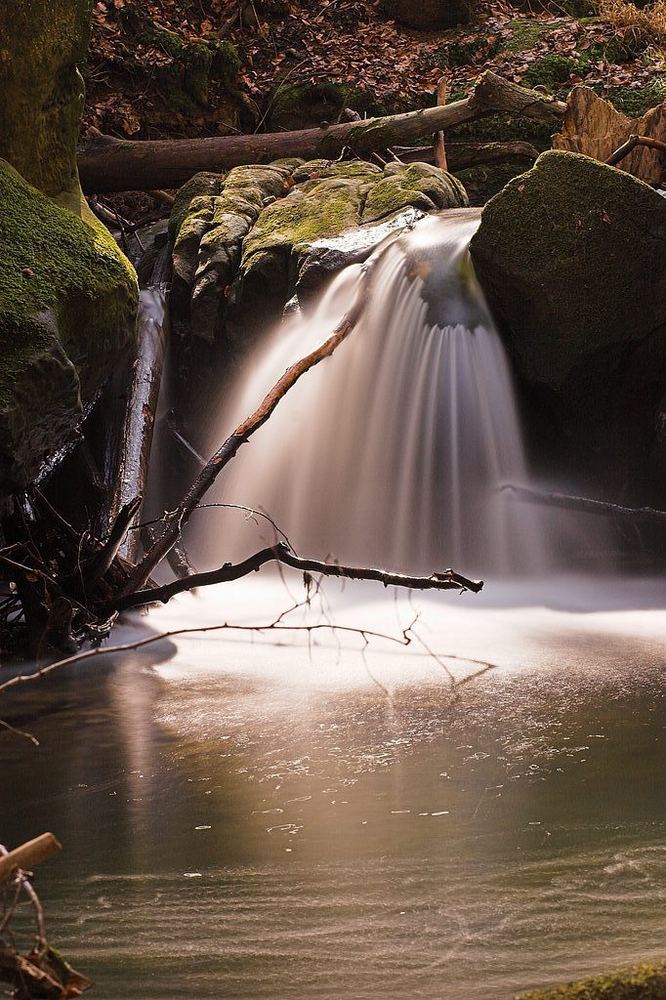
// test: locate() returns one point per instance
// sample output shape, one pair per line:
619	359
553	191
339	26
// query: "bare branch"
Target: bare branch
281	552
585	504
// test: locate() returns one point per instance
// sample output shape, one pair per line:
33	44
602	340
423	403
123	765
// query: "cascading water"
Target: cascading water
394	450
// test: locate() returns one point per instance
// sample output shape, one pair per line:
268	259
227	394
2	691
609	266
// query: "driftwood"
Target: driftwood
594	127
584	504
137	434
28	855
108	164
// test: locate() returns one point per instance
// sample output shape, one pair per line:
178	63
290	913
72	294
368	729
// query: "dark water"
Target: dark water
256	820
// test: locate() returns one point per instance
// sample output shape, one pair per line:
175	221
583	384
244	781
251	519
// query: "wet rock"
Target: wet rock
242	241
68	301
572	257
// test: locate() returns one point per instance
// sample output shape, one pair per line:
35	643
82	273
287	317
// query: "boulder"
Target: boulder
572	257
244	241
68	301
428	14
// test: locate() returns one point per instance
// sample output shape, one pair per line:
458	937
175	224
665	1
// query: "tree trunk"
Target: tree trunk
43	42
107	164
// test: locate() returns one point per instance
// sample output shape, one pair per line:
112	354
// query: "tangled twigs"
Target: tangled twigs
40	972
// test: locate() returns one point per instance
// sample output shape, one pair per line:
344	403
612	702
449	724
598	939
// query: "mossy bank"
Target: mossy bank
68	301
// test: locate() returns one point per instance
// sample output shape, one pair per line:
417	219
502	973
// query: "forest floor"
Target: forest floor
177	68
150	75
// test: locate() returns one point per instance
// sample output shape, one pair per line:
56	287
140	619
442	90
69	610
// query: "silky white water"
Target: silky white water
394	450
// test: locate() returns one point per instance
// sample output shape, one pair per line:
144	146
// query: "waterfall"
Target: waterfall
393	451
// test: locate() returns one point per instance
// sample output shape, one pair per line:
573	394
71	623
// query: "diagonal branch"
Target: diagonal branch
281	552
240	435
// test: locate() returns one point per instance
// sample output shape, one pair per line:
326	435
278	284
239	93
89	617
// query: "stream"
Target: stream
251	816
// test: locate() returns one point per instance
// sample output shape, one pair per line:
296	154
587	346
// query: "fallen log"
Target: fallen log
109	164
137	433
461	155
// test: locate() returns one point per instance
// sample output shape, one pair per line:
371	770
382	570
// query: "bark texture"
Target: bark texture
42	45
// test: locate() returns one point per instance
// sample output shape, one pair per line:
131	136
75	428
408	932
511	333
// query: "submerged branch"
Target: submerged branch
281	552
585	504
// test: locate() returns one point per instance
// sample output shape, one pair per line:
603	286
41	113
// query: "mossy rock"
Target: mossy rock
294	106
68	301
240	241
572	257
204	184
420	186
642	982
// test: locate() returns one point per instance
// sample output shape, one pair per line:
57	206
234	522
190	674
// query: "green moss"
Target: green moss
552	71
327	209
202	184
318	169
420	185
294	107
226	65
467	50
51	260
43	43
527	32
643	982
634	102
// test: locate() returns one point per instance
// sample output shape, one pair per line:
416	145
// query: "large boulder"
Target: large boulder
428	14
244	242
68	301
572	257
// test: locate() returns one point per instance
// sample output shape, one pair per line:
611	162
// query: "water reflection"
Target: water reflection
260	820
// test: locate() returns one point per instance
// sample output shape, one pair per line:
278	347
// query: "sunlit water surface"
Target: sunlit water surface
256	818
